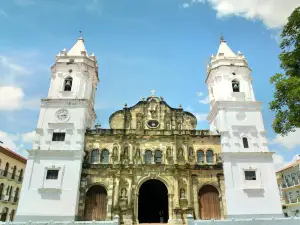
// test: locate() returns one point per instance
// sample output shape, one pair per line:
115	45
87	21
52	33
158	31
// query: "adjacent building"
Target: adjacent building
288	180
12	166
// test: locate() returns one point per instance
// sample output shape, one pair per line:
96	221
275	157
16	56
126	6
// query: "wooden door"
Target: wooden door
95	204
209	204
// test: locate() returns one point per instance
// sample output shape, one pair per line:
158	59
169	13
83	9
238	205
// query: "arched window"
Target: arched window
68	84
12	215
21	175
16	195
200	156
157	156
1	189
6	169
235	86
148	157
209	156
104	156
14	172
4	214
95	156
245	142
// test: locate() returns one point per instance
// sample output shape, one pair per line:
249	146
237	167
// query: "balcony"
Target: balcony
7	198
290	184
292	201
4	173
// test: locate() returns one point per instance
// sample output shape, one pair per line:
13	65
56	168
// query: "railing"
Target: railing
5	173
290	184
293	200
8	198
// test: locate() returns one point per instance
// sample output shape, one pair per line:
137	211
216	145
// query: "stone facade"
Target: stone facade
181	163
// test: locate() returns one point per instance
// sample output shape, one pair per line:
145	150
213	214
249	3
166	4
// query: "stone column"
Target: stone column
176	192
116	194
170	208
195	195
129	190
130	154
189	197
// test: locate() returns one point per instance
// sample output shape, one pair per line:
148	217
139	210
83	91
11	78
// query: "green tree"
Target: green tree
286	103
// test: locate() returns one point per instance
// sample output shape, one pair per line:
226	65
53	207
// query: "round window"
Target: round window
153	123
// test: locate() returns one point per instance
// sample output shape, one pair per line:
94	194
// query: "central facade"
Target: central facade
151	166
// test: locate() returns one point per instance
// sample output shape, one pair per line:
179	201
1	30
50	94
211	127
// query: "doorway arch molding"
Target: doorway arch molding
88	187
164	180
214	184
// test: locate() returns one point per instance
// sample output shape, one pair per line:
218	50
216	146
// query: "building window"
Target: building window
4	214
148	157
209	156
250	175
52	174
6	169
245	142
157	156
68	84
14	172
12	215
235	86
58	136
95	156
104	156
21	175
200	156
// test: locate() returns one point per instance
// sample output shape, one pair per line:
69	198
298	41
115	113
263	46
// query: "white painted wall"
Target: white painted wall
235	115
43	199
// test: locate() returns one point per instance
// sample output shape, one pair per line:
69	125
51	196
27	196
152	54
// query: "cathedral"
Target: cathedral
152	165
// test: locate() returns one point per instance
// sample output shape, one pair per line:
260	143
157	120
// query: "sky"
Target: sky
140	45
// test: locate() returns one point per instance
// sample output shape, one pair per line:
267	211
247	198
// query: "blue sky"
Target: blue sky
140	45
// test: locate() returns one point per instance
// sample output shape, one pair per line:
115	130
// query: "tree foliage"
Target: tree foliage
286	103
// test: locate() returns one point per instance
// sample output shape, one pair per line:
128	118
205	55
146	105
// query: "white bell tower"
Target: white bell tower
50	189
250	183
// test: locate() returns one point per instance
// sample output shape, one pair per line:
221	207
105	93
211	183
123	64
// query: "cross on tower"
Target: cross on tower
153	93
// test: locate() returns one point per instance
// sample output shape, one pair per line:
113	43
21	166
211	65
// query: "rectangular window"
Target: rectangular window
250	175
58	136
52	174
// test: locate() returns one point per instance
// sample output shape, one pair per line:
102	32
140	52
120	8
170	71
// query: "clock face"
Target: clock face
62	115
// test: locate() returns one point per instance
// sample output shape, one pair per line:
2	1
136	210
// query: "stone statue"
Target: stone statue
168	127
169	152
115	151
123	193
180	152
138	152
179	126
126	152
138	125
191	151
182	193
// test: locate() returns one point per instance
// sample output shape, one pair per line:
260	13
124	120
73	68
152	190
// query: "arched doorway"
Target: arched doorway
95	203
209	204
153	202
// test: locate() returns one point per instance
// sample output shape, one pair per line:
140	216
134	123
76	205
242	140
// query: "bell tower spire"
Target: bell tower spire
54	163
250	182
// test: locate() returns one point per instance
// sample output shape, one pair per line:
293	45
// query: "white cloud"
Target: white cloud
11	98
279	161
201	116
28	137
3	13
15	141
273	13
200	93
204	101
289	141
185	5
